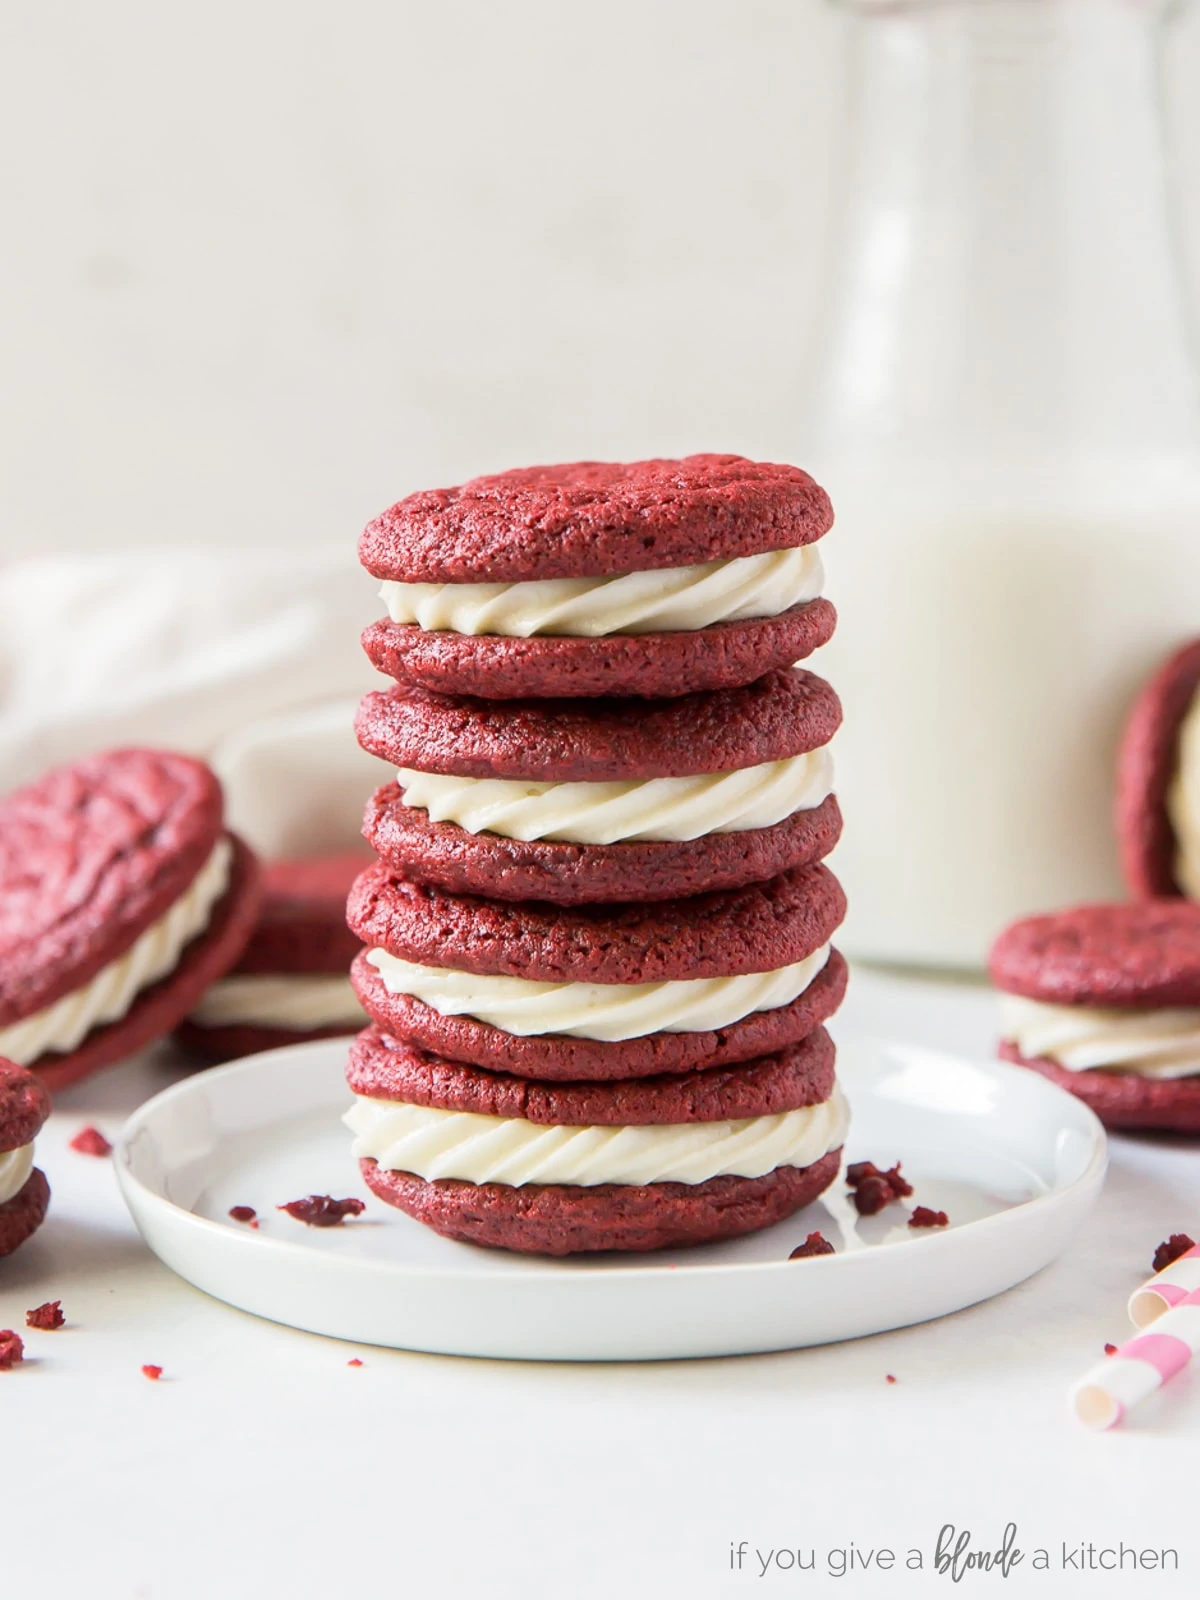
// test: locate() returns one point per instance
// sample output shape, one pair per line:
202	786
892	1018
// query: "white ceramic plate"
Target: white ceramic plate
1015	1162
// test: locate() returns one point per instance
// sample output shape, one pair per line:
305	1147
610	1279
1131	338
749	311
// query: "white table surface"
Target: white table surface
262	1465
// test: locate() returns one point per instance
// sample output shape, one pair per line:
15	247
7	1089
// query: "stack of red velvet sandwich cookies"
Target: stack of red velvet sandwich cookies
598	936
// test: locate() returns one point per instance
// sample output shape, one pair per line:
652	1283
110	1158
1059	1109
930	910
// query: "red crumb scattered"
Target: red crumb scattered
874	1188
243	1213
46	1317
815	1245
1110	1349
12	1349
152	1372
1171	1249
354	1362
891	1377
91	1142
322	1210
923	1217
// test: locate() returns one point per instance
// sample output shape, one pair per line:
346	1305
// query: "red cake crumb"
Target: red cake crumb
1171	1249
891	1377
243	1213
923	1217
354	1362
12	1349
815	1245
152	1372
1110	1349
874	1188
46	1316
322	1210
91	1142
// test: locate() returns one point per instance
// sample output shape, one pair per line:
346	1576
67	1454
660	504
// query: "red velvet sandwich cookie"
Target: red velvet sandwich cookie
552	1169
24	1192
599	992
1158	782
602	800
1105	1001
291	982
597	578
121	900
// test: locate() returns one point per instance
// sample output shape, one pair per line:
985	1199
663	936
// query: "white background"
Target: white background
266	267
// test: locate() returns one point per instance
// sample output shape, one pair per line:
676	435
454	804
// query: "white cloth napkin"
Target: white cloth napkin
243	657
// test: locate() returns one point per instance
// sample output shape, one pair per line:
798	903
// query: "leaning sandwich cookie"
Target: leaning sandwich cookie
291	982
598	578
1105	1001
1158	781
122	898
24	1192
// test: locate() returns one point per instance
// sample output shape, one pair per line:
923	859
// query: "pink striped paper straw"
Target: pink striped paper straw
1165	1289
1119	1382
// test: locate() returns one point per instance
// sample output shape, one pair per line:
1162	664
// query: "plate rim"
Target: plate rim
525	1270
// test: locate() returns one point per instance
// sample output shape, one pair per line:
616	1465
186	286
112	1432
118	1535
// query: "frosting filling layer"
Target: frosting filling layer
15	1167
673	600
300	1001
608	1011
433	1143
1152	1044
640	809
1183	803
109	995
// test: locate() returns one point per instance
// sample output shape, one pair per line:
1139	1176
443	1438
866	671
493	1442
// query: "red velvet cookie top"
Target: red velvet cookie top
595	518
801	1075
1142	955
564	741
756	929
24	1106
90	856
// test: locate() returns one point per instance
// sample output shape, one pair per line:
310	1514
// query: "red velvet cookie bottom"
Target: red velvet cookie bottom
159	1009
214	1045
561	1219
447	855
24	1213
647	665
1123	1099
556	1057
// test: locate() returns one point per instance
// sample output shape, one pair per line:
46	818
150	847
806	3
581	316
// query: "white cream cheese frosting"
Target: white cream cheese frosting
299	1001
640	809
673	600
608	1011
109	995
1183	803
1152	1044
15	1167
433	1143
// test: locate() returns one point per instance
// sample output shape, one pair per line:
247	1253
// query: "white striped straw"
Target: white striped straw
1165	1289
1119	1382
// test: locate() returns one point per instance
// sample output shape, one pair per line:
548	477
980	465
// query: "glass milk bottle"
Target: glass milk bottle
1004	410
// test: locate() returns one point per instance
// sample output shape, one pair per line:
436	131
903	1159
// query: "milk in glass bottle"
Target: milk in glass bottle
1004	410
